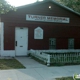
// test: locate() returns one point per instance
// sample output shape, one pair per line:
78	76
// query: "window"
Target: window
71	43
52	43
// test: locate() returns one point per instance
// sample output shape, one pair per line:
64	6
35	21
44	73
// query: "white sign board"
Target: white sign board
38	33
42	18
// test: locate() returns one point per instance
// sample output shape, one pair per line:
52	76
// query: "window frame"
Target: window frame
52	43
70	44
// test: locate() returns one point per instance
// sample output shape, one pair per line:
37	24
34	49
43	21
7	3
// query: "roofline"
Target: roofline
66	7
53	1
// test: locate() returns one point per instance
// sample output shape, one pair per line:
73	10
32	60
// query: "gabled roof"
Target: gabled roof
53	1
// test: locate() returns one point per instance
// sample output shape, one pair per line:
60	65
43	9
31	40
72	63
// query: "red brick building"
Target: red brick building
45	25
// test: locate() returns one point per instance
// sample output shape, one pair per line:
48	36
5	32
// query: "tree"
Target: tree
5	7
73	4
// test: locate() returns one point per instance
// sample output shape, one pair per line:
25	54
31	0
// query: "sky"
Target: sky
20	2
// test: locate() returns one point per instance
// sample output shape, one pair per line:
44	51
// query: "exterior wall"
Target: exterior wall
61	33
41	9
9	38
51	30
2	51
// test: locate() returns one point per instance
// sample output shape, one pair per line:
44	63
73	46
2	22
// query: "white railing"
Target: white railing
50	57
39	55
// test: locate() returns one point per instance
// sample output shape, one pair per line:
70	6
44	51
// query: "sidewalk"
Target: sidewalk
37	71
28	62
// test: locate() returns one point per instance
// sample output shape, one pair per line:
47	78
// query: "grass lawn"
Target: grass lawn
65	78
10	64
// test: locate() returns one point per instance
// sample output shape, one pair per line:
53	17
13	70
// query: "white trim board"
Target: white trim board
2	37
9	53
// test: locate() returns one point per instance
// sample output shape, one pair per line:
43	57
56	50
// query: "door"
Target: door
21	41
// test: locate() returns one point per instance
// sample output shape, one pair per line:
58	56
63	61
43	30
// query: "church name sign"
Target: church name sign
42	18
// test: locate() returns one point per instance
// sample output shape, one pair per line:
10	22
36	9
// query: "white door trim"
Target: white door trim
20	42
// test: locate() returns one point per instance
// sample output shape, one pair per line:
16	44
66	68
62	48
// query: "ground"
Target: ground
10	64
37	71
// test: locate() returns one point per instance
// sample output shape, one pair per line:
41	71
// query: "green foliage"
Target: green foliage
65	78
5	7
73	4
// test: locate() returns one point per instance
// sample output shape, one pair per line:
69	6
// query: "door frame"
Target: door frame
15	39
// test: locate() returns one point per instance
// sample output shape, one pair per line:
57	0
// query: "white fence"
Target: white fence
50	57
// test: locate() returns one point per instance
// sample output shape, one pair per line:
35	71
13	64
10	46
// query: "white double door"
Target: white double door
21	41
